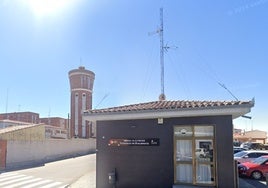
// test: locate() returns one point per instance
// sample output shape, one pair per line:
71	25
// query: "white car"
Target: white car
249	155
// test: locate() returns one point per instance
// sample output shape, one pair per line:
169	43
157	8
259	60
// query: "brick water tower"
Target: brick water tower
81	83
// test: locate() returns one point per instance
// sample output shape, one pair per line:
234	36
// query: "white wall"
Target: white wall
25	153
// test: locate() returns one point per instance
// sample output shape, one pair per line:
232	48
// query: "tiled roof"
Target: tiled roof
171	105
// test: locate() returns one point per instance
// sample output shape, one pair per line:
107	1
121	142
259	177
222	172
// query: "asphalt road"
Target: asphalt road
57	174
256	183
61	174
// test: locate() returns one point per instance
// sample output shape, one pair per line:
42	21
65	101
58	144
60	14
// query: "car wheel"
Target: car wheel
256	175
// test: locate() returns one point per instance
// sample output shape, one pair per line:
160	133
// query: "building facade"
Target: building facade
81	84
171	143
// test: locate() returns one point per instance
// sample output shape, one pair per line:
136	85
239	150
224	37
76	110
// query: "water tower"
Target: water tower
81	83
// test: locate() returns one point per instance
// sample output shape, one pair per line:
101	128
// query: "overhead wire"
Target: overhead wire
179	74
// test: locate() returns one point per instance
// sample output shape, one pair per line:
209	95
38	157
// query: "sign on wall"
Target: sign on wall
134	142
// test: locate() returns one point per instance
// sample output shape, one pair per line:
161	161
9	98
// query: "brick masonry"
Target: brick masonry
81	83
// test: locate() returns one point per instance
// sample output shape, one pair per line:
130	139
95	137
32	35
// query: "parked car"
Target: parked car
252	145
256	169
249	155
238	149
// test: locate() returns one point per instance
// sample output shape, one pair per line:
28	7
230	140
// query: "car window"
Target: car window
240	154
252	155
261	154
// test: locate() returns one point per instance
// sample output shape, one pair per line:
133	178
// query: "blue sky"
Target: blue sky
213	42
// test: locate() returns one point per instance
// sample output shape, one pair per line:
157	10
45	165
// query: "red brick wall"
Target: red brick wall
3	150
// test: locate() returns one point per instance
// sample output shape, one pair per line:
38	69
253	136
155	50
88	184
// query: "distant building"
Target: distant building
54	127
55	132
81	84
251	136
11	123
29	117
55	121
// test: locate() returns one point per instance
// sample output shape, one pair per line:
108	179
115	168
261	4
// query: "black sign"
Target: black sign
134	142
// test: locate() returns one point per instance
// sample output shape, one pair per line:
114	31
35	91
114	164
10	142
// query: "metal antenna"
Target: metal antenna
223	86
105	96
163	49
160	31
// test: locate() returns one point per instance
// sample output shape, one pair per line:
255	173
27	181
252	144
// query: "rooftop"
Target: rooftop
180	108
15	128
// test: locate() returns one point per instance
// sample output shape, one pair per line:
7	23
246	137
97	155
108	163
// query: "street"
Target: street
57	174
255	183
61	174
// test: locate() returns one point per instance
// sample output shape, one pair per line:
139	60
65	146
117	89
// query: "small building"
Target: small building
166	144
56	132
56	127
23	133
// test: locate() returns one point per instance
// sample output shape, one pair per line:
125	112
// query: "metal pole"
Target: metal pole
161	33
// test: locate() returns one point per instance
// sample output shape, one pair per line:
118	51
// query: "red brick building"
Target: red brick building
29	117
55	121
81	83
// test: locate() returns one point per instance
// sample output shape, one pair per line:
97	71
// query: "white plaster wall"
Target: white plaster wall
24	153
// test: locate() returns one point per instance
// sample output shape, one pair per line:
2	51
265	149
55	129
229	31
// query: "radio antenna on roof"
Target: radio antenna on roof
223	86
163	48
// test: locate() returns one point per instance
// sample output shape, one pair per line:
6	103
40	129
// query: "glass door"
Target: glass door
194	155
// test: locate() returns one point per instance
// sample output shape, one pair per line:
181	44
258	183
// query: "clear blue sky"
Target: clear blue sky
217	42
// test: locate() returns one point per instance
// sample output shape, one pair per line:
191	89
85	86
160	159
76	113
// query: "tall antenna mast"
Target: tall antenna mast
161	35
163	49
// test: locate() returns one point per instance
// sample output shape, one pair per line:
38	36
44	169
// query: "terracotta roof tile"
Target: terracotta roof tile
167	105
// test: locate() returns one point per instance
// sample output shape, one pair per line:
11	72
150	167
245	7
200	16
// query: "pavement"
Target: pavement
86	181
89	181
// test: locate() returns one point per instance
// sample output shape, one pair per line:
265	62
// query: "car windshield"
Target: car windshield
240	154
260	160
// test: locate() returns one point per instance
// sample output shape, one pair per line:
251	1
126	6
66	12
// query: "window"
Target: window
194	155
